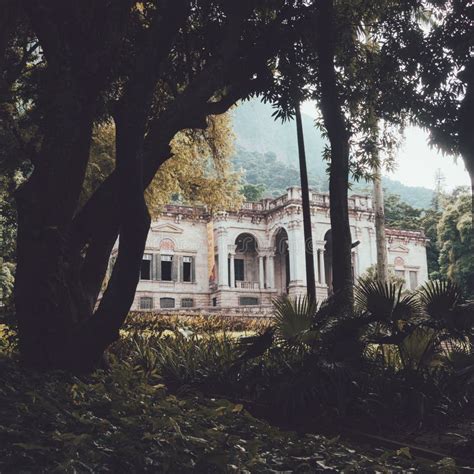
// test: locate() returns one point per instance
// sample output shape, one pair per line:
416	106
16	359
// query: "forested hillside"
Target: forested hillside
267	153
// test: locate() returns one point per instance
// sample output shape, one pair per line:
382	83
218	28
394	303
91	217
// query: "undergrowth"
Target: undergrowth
126	420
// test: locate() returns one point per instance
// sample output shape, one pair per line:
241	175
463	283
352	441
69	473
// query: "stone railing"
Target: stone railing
247	285
355	202
278	202
406	234
253	206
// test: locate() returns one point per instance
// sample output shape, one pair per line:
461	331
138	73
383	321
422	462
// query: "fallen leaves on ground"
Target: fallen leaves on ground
116	421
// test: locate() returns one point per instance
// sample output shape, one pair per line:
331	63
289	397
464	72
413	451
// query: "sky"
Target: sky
417	162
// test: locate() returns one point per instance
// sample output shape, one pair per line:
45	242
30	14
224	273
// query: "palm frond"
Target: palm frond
439	298
294	320
251	347
384	301
419	348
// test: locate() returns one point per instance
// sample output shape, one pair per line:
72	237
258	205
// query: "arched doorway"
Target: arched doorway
328	259
282	262
244	266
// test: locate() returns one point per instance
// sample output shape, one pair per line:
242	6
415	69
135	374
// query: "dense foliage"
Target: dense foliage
403	359
448	226
456	242
126	418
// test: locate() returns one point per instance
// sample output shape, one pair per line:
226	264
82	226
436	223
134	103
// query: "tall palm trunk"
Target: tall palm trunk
380	238
308	237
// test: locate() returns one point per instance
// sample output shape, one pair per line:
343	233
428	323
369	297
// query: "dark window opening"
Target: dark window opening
145	270
187	268
239	269
248	301
166	267
166	302
187	303
214	301
146	302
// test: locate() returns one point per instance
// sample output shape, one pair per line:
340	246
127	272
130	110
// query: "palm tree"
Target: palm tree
380	238
308	237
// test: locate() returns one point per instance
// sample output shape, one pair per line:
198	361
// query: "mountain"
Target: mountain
267	153
257	131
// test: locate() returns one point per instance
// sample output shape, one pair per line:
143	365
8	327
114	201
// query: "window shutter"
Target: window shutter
157	266
174	268
193	269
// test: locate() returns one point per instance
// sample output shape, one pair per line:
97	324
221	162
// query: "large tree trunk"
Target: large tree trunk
308	235
334	122
49	299
97	333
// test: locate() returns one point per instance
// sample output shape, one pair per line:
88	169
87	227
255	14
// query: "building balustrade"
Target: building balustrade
247	285
253	206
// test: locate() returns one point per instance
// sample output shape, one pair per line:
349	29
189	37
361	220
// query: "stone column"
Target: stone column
270	271
261	272
222	252
297	255
232	265
322	269
355	264
317	272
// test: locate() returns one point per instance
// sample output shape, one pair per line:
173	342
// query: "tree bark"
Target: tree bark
48	298
97	333
308	236
334	122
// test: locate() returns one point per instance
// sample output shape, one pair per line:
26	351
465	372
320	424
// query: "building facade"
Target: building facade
241	260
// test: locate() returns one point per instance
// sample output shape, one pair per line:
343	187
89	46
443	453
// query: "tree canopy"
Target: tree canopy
456	243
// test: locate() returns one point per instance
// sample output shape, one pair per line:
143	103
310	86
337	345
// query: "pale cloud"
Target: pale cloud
417	163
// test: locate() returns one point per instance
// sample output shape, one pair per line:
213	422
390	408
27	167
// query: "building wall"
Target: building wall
177	237
187	231
407	254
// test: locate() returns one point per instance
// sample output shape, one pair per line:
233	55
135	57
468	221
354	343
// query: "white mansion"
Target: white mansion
247	257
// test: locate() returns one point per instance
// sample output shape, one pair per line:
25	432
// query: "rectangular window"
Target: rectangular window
145	271
413	280
187	303
166	267
146	302
239	269
187	268
166	302
248	301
